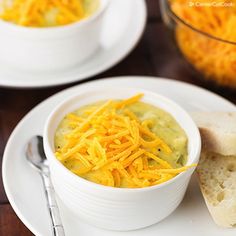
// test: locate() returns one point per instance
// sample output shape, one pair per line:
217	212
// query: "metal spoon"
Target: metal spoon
36	157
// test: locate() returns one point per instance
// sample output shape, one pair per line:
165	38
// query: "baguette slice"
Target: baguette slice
218	131
217	165
217	179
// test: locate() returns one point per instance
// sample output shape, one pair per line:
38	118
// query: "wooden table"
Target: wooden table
155	55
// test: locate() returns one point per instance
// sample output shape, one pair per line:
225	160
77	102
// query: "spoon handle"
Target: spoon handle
58	229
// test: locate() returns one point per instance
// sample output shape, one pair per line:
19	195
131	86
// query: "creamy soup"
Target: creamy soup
45	13
130	145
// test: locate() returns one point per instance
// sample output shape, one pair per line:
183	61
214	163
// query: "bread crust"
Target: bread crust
224	143
218	131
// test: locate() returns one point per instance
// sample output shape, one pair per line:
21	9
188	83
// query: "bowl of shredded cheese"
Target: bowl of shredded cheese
204	32
49	35
121	158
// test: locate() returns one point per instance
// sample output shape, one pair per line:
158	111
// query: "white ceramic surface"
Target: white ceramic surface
51	48
115	208
116	29
24	189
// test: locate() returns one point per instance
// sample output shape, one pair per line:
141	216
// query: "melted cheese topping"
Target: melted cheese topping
215	59
43	13
107	143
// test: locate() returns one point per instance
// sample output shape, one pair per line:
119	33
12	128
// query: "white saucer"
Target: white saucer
123	27
24	188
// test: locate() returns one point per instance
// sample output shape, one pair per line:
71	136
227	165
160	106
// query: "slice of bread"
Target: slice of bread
217	178
217	165
218	131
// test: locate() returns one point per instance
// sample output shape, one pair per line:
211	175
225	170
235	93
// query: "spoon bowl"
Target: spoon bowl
35	154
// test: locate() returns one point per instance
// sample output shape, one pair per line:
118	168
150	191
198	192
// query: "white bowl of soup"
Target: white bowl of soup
52	46
120	158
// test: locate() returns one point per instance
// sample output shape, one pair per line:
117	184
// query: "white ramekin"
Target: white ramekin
116	208
51	48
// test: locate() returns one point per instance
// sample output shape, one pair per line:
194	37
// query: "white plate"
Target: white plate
123	27
24	188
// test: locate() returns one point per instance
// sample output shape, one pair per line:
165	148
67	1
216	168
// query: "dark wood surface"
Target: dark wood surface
155	55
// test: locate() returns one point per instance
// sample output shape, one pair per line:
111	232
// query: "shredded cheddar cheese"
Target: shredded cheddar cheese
43	13
112	146
212	57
